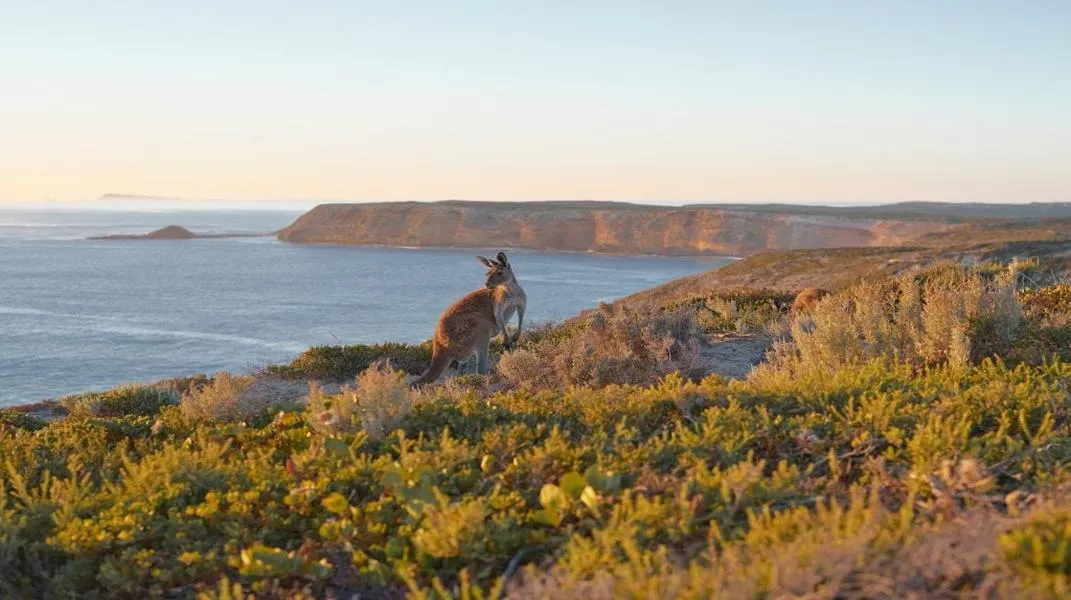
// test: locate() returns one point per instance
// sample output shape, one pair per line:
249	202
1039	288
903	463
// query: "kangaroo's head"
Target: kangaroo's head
499	271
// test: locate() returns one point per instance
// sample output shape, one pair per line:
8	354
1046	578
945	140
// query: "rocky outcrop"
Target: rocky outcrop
616	228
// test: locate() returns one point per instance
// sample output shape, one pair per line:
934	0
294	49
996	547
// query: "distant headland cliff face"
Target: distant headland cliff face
610	227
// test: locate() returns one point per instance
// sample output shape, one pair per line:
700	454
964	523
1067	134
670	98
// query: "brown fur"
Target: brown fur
462	328
808	298
467	326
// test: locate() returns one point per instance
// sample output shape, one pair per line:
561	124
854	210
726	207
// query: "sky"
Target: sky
666	102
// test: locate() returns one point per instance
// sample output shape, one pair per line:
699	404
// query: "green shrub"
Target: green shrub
343	363
1041	547
17	420
739	312
134	399
456	530
535	333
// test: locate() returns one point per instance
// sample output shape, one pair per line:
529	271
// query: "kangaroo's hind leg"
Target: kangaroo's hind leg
482	353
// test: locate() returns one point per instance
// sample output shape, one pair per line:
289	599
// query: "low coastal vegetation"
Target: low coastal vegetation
906	437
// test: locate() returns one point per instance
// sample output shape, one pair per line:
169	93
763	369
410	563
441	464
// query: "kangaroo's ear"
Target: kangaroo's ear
487	262
502	259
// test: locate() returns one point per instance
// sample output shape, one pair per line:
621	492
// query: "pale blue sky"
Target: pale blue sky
848	101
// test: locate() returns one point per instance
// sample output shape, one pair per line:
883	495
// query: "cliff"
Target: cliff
617	228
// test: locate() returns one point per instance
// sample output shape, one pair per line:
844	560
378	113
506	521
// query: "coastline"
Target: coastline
515	249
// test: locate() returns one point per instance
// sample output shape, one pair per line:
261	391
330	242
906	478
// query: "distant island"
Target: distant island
137	198
623	228
174	232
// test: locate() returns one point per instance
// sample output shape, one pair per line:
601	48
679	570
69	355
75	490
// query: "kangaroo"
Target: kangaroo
808	298
467	326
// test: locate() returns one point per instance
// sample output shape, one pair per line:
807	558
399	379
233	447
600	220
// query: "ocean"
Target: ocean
80	315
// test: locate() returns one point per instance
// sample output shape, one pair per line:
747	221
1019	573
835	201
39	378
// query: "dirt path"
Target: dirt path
734	356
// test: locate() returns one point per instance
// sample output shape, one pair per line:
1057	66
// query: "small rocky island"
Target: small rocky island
171	232
174	232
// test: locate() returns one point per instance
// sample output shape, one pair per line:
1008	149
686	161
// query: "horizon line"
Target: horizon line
150	200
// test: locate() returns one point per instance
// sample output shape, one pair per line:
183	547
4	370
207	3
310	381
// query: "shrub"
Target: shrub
741	312
378	403
612	345
343	363
223	400
180	386
1051	304
867	479
453	530
17	420
940	316
1047	316
543	331
1043	543
125	400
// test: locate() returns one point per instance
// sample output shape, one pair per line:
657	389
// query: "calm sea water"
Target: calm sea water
79	315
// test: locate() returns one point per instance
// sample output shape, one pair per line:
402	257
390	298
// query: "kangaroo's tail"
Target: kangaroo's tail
439	362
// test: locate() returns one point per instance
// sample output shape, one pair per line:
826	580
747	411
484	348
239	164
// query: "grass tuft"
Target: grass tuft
610	346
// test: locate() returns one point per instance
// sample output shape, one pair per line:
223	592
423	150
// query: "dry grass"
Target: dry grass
378	403
947	315
611	346
223	400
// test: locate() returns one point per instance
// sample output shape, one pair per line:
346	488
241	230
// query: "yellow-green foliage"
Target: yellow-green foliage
343	363
638	491
743	311
121	401
1052	303
1042	545
13	419
909	471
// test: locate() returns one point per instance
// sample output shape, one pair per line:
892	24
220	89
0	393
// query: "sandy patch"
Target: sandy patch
734	356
